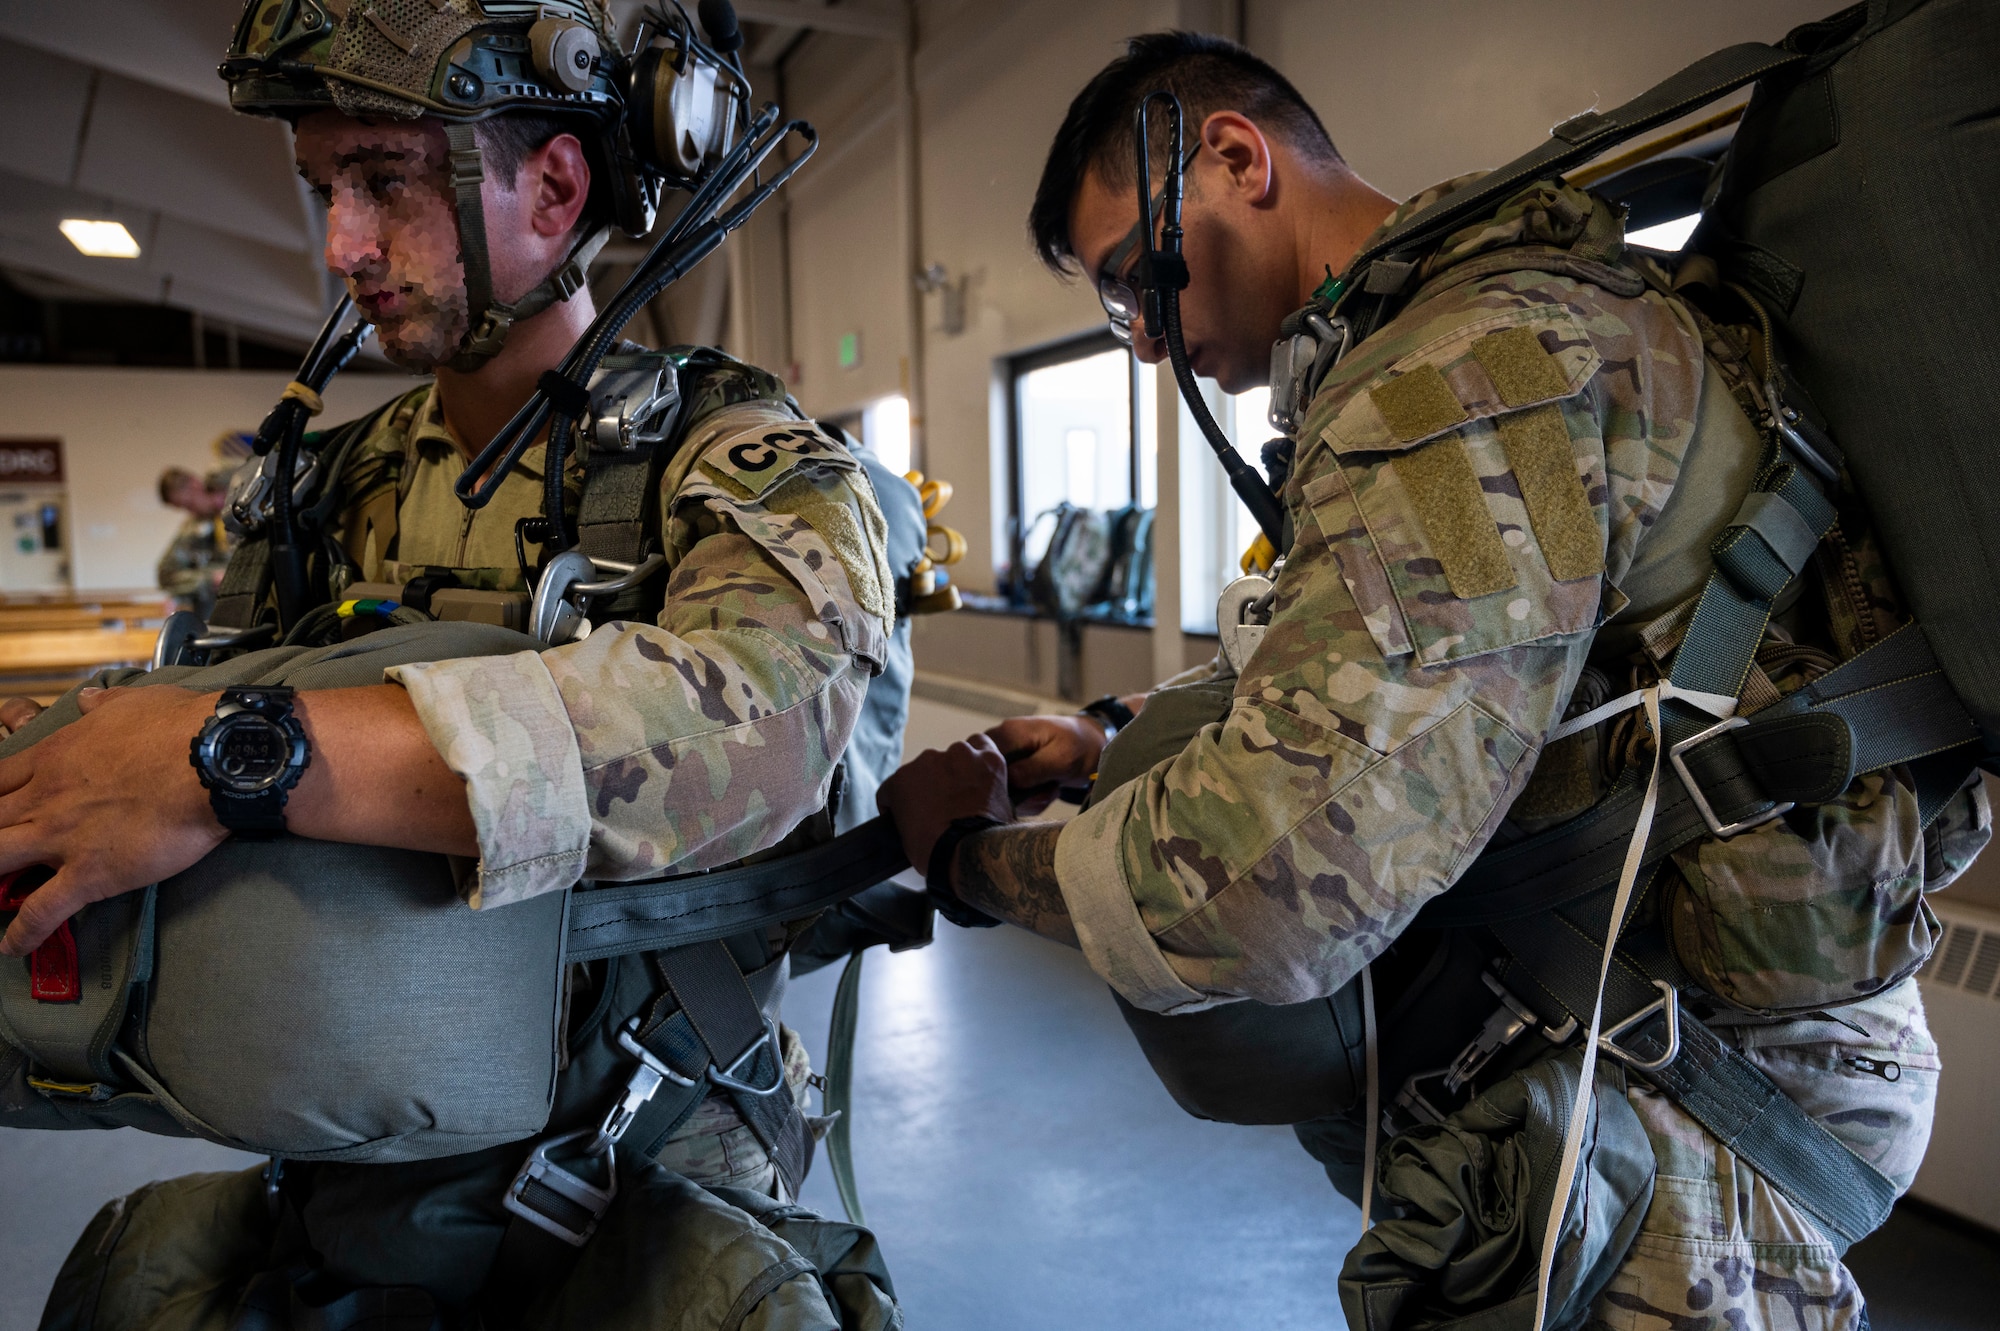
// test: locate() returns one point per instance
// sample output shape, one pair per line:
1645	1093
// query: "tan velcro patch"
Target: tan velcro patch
1418	404
1544	466
1452	507
1521	371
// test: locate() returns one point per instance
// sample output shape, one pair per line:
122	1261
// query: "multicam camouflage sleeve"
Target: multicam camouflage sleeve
1471	486
710	735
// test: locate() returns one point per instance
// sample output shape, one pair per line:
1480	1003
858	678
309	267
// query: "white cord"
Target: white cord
1371	1077
1635	853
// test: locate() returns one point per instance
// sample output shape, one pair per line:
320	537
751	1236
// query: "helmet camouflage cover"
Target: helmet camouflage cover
458	59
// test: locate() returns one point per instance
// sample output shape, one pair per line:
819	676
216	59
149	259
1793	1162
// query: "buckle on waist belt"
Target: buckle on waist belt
1668	1003
557	1201
1677	755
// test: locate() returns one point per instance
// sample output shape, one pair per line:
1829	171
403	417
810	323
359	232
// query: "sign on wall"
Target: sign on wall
31	462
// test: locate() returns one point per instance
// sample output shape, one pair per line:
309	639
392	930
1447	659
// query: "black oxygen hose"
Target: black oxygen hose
285	429
1162	274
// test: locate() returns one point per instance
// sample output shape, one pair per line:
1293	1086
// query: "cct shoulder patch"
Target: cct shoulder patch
749	462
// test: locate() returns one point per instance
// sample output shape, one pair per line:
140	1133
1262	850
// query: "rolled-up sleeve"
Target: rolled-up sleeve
500	724
691	742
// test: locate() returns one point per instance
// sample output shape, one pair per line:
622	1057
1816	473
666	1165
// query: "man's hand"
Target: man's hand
940	786
1046	753
110	803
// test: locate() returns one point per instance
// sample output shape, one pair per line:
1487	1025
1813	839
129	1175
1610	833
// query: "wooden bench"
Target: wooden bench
49	642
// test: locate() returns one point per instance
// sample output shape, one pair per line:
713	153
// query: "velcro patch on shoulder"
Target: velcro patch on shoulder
1544	462
1522	370
1452	506
1418	404
1477	370
748	462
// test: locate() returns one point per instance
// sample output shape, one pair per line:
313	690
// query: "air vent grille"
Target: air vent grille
1968	959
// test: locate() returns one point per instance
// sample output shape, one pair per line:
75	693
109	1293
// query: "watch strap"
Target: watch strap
937	874
1114	714
252	817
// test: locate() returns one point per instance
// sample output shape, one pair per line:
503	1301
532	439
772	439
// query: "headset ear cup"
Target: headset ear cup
565	53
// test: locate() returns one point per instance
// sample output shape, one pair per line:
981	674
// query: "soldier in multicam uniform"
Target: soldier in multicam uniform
1499	501
188	571
677	745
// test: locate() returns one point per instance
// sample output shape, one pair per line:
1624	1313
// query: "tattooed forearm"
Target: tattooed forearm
1010	872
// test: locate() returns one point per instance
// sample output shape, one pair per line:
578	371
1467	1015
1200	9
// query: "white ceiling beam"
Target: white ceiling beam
874	18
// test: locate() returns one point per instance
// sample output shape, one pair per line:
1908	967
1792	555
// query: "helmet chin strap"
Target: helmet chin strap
490	320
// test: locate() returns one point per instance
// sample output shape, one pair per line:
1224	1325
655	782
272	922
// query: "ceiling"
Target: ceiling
113	110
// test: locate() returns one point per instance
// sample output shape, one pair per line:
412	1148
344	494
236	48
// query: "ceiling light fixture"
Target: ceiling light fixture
100	240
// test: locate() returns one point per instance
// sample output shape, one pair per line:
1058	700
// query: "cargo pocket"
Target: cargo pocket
1465	499
1819	909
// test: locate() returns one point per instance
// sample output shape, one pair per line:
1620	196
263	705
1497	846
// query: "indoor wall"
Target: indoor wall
1412	93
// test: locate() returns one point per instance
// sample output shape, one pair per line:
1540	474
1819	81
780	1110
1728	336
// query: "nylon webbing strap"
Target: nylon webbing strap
1580	138
468	172
246	580
1894	698
743	1056
647	917
1718	1087
1750	571
1895	704
839	1097
611	520
707	984
1747	1112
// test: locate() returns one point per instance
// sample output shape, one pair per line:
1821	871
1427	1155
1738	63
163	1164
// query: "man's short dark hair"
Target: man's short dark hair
1208	74
505	140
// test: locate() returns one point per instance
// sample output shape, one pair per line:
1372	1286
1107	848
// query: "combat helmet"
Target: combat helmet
661	115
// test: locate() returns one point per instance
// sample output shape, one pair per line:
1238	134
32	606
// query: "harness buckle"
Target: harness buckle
1669	1003
559	1202
1720	830
1507	1024
728	1077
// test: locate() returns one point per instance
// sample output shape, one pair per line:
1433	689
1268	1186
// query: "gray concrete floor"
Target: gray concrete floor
1021	1166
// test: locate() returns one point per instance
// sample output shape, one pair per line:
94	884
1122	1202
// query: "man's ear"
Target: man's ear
1244	152
558	174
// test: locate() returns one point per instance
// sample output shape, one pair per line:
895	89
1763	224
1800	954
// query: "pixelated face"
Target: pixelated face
392	229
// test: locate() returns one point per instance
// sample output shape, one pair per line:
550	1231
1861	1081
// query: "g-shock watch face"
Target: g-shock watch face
247	753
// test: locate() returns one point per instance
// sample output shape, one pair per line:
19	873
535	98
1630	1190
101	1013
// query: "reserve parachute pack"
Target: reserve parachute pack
1850	227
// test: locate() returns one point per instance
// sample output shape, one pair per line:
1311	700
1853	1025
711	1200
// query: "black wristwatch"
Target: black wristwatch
250	754
1114	714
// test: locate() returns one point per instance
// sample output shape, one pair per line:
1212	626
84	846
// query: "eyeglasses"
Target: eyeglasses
1114	283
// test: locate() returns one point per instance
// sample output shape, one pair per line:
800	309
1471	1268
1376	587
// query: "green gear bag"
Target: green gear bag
1469	1199
296	997
203	1253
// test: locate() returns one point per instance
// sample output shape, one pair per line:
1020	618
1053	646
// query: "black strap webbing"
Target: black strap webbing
1895	705
695	908
724	1015
1715	1084
1746	1111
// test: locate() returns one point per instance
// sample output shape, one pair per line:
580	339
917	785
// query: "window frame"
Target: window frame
1018	367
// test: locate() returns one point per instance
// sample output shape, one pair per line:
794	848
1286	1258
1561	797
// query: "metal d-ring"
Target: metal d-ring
729	1079
1669	1003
